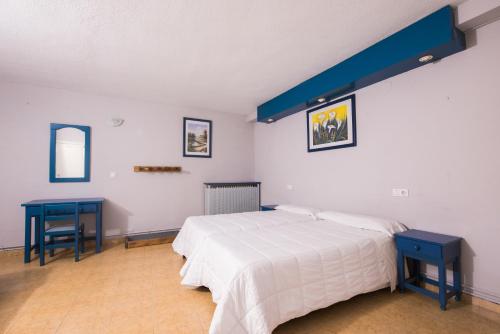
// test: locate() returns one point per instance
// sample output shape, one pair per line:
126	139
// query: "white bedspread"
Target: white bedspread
262	278
197	228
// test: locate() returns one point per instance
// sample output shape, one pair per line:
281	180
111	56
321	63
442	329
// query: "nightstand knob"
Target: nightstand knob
417	248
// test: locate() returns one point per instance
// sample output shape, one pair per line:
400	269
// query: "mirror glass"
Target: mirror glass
70	153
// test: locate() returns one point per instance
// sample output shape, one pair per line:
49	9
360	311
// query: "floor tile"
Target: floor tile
138	291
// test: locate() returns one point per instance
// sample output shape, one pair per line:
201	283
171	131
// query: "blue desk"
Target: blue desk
87	205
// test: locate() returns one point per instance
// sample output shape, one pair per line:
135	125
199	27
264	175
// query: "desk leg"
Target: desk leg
457	279
442	285
37	234
27	237
401	271
98	229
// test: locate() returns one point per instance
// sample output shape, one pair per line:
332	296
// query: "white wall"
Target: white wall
434	130
151	135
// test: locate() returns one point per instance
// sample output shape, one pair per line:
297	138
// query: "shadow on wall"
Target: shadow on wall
115	218
467	264
471	38
467	267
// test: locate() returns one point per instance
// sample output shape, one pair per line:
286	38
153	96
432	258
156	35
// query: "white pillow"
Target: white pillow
386	226
303	210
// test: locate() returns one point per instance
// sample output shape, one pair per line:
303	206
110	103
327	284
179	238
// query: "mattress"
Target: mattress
261	278
197	228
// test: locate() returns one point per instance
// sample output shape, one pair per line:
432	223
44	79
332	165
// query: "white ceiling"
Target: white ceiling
227	55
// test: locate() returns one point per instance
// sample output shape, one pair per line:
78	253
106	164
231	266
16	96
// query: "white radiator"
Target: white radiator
232	197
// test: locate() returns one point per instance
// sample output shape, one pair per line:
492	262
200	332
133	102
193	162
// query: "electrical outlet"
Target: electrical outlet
400	192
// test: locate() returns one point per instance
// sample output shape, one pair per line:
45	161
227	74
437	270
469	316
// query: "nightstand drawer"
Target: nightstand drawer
419	248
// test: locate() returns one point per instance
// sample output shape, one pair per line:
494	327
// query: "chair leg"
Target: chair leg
51	251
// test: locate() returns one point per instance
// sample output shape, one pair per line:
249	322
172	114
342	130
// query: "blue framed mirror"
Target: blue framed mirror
69	153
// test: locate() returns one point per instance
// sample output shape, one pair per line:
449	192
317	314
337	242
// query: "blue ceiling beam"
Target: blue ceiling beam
434	35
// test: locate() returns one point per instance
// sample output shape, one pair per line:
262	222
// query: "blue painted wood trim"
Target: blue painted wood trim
435	34
423	291
52	169
38	202
430	237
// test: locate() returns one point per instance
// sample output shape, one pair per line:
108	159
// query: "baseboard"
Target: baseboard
107	237
142	233
150	239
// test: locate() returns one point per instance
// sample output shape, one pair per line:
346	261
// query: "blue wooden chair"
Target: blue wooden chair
61	236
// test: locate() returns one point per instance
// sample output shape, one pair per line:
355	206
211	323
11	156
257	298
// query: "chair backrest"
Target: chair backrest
61	211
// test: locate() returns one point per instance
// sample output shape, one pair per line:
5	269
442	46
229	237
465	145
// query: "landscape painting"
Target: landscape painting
197	138
332	125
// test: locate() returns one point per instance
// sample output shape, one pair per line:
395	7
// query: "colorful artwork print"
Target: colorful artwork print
197	138
332	125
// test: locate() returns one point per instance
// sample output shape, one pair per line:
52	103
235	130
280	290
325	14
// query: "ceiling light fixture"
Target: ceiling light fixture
321	100
426	58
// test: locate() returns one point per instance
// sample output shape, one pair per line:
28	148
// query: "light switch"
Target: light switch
289	187
400	192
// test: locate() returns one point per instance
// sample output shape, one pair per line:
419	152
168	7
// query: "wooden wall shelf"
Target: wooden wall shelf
157	169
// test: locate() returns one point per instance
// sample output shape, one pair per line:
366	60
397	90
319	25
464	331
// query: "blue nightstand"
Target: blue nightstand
268	207
433	248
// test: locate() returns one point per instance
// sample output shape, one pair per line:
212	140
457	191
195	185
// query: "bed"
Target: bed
197	228
260	278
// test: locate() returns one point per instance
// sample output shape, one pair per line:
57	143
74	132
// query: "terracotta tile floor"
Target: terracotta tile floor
138	291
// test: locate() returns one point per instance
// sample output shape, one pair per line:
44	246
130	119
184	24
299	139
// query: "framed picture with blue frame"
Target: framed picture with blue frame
332	125
197	142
